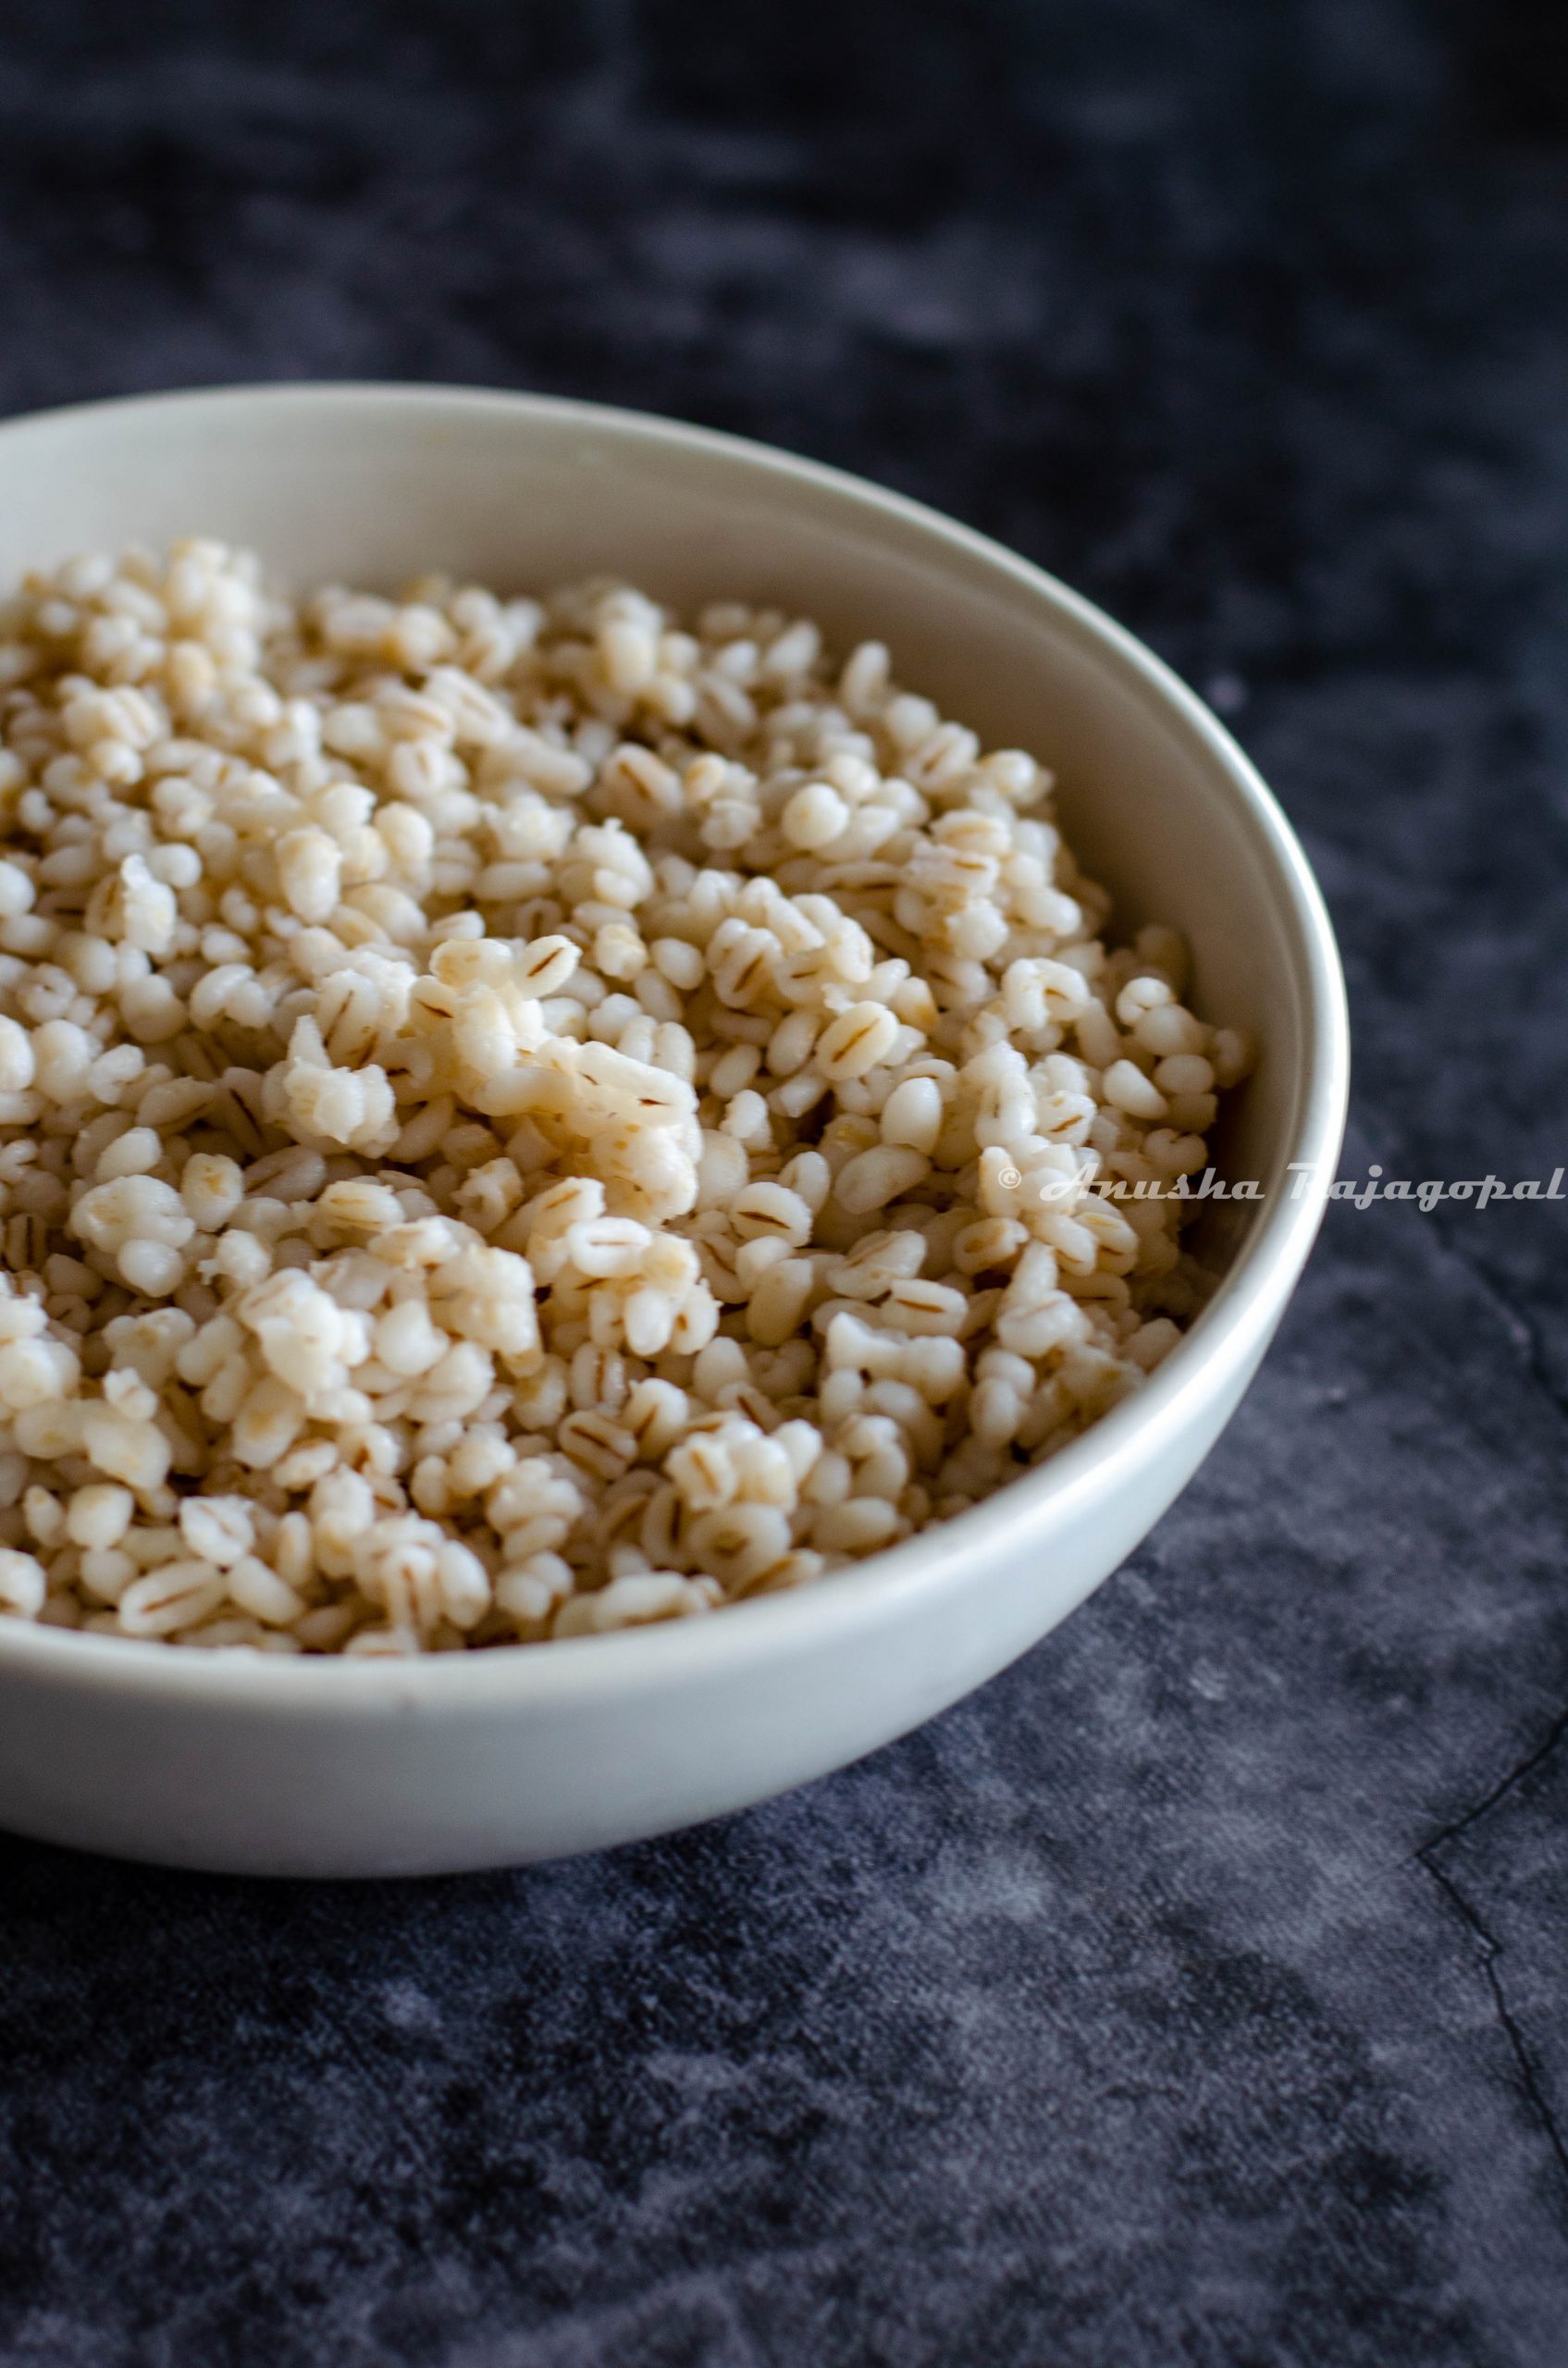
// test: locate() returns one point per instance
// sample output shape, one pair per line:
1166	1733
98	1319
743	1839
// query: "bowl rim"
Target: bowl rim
1229	1334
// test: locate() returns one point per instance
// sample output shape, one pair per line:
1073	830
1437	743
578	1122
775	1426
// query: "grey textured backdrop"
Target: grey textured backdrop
1195	1993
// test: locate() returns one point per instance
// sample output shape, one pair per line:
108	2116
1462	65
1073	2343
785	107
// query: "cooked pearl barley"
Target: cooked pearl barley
912	1114
1128	1088
814	817
874	1178
520	1118
99	1515
22	1585
855	1041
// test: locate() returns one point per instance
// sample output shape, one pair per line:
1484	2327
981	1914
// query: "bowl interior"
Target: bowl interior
376	484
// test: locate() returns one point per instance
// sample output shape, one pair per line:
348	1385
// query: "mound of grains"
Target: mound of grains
521	1118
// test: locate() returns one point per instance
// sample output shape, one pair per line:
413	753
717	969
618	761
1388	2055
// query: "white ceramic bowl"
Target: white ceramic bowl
331	1767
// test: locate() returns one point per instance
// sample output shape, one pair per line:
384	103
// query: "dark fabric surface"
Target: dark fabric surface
1194	1993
